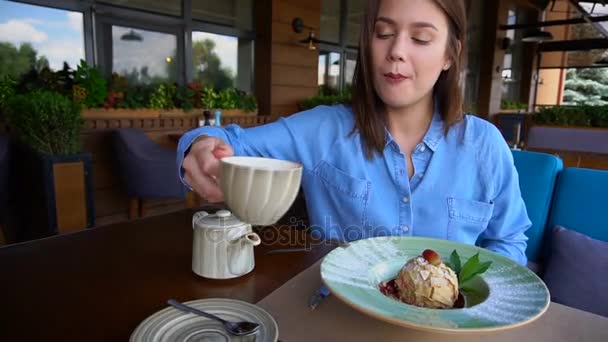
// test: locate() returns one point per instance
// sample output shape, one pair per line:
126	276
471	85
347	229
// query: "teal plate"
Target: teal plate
508	294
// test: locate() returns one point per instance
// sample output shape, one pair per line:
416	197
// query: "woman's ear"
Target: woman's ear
448	63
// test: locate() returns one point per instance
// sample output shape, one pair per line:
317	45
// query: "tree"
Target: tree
586	87
208	66
16	61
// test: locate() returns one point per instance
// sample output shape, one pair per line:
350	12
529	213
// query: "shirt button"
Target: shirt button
422	148
406	229
405	199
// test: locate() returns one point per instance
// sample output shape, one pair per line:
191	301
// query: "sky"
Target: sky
58	35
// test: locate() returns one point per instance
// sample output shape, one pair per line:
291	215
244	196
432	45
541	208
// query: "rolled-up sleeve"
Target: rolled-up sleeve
291	138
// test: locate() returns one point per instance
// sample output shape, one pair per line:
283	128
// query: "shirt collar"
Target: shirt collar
433	134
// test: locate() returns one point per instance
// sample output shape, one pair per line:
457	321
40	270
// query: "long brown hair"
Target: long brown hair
370	114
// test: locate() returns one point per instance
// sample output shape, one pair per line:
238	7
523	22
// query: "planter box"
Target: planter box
102	113
236	112
52	194
145	113
579	139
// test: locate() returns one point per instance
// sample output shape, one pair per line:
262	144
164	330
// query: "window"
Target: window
340	26
330	21
513	58
144	56
38	37
141	39
214	59
329	71
171	7
349	71
356	9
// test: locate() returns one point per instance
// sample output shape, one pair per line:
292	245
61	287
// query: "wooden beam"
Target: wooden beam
560	22
574	45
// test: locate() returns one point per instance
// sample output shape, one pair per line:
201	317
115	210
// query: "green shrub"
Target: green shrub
328	97
577	116
47	121
506	104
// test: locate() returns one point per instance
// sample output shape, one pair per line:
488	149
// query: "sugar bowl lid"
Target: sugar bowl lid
221	219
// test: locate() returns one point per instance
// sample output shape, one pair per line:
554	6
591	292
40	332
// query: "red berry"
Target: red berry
432	257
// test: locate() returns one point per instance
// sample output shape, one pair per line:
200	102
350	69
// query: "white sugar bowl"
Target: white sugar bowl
222	246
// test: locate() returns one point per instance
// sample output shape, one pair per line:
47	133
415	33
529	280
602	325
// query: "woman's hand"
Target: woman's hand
202	166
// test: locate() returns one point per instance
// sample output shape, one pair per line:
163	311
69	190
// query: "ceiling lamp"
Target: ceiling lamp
132	36
536	36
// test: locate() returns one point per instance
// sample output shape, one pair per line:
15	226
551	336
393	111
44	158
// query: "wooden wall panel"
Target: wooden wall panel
284	11
288	95
295	55
283	34
294	67
285	110
294	76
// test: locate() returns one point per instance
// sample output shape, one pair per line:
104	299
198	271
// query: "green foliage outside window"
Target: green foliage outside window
16	61
587	86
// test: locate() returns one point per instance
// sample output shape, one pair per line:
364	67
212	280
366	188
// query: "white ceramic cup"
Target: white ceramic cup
257	190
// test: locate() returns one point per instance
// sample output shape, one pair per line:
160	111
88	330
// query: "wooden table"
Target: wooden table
99	284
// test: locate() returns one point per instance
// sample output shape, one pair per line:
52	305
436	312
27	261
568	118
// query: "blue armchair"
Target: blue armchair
146	168
537	176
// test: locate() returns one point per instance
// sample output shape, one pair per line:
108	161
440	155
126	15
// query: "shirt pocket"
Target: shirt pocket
344	198
467	219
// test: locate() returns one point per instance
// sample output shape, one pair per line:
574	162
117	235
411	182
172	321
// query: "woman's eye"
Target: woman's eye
384	35
421	41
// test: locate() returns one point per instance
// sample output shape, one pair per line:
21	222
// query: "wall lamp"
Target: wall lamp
297	24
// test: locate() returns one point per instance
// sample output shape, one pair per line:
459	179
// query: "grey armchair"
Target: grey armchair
147	169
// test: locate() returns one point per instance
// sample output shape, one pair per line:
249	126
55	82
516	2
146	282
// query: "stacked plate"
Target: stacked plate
171	324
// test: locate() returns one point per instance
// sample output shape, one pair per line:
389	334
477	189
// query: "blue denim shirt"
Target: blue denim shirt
465	186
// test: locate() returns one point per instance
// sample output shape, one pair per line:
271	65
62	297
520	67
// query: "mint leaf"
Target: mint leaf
468	268
472	268
455	262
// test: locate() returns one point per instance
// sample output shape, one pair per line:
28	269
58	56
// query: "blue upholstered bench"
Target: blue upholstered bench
568	240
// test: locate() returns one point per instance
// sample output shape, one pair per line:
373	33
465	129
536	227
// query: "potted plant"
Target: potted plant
53	184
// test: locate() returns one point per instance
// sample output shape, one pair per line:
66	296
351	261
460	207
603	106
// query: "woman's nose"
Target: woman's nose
398	51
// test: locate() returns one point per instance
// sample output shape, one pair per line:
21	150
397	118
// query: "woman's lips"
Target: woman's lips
395	78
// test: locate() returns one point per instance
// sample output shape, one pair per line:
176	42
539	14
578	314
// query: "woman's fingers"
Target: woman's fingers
201	167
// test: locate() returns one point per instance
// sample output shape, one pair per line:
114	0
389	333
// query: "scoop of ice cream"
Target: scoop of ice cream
427	285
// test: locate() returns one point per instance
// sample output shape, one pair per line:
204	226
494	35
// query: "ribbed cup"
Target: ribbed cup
257	190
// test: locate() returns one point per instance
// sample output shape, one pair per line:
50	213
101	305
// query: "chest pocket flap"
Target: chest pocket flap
342	181
470	210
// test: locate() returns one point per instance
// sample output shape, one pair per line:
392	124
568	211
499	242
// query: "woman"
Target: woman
402	159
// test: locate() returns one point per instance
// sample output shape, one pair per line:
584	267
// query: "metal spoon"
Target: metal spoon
234	328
